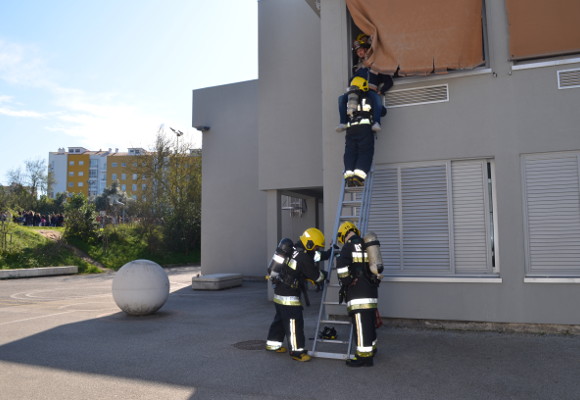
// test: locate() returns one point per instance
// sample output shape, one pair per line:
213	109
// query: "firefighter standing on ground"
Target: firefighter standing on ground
289	321
359	288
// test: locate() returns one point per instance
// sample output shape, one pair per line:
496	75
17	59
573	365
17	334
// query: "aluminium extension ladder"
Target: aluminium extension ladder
353	206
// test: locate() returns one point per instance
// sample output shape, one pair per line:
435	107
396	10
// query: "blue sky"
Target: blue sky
107	73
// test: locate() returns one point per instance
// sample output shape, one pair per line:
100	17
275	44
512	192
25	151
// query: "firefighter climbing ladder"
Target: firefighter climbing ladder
353	205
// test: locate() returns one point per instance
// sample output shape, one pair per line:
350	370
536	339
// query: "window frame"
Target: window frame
456	217
485	68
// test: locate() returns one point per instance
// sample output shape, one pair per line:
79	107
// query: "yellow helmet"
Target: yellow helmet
360	83
311	238
344	229
362	40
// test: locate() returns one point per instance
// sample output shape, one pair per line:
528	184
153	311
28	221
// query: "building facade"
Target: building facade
476	196
78	170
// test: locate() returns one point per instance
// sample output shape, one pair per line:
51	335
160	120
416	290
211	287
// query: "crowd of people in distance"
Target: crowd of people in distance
31	218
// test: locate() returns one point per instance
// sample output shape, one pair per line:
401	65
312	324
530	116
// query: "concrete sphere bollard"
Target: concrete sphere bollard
140	287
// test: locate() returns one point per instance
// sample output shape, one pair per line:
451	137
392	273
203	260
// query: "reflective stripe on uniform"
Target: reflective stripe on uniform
293	339
292	264
363	351
361	304
278	259
364	121
360	173
359	256
348	174
273	345
287	300
342	272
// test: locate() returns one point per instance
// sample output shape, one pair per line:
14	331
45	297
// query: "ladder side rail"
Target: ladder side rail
328	268
366	202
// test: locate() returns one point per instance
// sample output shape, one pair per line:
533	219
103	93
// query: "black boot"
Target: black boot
360	362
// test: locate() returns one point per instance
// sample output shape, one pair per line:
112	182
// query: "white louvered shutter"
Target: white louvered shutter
471	217
552	211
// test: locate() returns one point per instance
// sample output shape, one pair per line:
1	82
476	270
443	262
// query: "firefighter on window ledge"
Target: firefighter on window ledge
359	277
359	145
292	271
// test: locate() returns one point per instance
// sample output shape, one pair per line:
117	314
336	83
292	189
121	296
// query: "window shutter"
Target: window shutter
425	218
409	213
384	215
471	212
552	210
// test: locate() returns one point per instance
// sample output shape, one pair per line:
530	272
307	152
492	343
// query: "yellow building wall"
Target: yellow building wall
122	168
78	173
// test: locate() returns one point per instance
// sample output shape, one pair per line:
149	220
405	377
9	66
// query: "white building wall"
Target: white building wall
233	218
57	167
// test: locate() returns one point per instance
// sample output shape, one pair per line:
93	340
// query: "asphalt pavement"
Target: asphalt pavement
65	338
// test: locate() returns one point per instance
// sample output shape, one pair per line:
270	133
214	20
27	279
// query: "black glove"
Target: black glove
341	294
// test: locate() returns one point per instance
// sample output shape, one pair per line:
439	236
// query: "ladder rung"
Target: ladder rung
332	341
349	217
336	356
335	321
351	203
333	303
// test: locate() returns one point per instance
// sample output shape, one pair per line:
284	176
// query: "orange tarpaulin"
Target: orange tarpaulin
543	27
420	37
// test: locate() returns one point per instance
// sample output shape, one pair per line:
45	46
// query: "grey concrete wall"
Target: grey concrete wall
233	219
289	116
500	114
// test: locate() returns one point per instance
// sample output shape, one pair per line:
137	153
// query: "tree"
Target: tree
173	192
80	218
30	184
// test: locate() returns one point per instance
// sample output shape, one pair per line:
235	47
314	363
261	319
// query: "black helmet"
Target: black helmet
286	246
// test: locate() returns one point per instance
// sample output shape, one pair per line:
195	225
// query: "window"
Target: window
134	187
114	177
124	188
71	173
435	219
551	184
543	28
123	164
81	163
134	176
70	184
81	173
114	165
80	184
123	176
423	36
71	163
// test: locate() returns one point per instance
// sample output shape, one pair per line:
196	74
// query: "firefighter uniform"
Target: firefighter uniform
360	138
360	291
289	321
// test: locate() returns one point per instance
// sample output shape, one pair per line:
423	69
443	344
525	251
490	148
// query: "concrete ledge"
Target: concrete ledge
36	272
216	281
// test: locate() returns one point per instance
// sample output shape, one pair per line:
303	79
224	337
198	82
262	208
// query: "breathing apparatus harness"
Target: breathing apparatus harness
358	104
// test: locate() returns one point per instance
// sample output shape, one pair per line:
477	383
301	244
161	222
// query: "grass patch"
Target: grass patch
120	244
22	247
117	245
